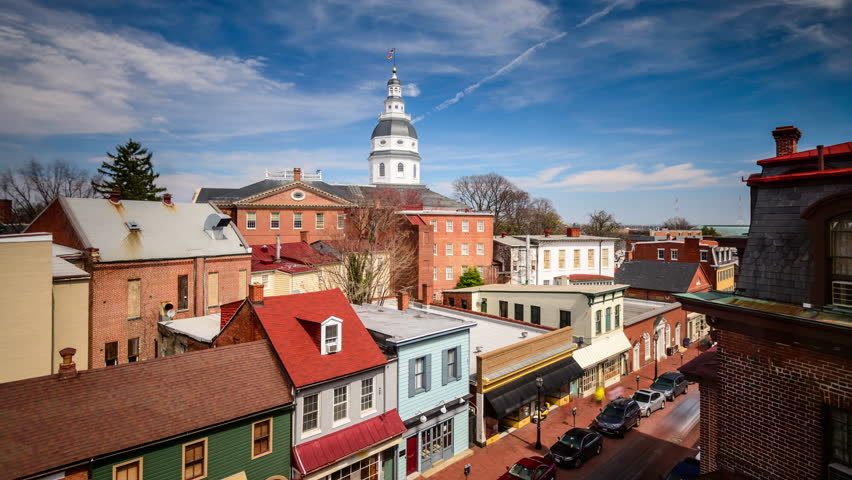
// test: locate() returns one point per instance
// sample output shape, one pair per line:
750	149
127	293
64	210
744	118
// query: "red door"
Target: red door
411	455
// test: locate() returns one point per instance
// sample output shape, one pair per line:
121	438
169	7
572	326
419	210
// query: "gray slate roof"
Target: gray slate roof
166	231
655	275
394	126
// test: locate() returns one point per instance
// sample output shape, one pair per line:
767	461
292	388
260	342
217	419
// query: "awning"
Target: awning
313	455
507	398
601	350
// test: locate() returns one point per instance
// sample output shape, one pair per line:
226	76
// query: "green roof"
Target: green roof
839	318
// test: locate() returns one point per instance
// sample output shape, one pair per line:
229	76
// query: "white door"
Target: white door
636	356
677	334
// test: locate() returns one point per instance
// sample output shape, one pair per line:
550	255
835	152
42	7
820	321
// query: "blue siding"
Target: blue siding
438	393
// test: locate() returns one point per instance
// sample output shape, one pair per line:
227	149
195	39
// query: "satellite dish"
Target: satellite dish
170	313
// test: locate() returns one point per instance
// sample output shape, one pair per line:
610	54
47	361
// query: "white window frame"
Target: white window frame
465	226
320	221
275	220
434	224
326	340
661	254
480	226
674	254
481	271
448	273
297	220
480	249
305	412
704	255
434	273
368	396
448	249
449	225
341	221
336	402
251	220
435	249
465	249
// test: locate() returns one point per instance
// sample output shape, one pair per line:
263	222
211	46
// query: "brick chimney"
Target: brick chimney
572	232
115	197
503	234
547	233
256	293
402	299
304	236
786	140
297	174
67	369
167	199
5	210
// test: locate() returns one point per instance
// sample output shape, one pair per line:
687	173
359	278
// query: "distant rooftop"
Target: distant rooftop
405	327
771	307
203	329
636	310
584	289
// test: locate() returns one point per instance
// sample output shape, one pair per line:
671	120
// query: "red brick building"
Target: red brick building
674	328
650	280
776	397
717	262
148	261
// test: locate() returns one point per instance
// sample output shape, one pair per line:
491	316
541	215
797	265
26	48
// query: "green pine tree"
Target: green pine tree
129	172
470	278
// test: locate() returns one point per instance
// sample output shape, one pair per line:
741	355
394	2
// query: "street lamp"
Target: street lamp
466	471
681	359
637	382
656	352
538	384
574	412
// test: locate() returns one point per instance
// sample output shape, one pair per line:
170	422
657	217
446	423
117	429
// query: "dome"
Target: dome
394	81
396	126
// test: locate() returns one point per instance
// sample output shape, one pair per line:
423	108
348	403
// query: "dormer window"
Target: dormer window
331	335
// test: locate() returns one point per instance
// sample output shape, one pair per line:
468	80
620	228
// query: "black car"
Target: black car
619	416
575	446
671	384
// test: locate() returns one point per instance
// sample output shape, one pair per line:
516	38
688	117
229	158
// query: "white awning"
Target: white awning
601	350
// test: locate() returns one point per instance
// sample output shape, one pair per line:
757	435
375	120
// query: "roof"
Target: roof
512	288
729	230
510	241
602	349
578	277
315	454
657	275
296	257
636	310
63	269
287	319
461	212
829	173
175	231
771	307
829	151
405	327
147	401
562	238
400	127
63	251
202	329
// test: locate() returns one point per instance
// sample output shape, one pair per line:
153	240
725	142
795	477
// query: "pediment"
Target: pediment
294	193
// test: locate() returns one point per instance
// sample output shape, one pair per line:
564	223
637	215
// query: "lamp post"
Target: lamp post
637	382
466	471
656	352
538	384
681	359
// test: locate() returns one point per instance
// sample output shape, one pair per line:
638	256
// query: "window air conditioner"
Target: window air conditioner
331	348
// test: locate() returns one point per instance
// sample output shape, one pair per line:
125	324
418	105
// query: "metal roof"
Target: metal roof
394	126
511	241
636	310
404	327
65	269
203	329
175	231
504	287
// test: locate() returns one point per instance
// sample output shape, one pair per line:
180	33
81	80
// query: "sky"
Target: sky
631	106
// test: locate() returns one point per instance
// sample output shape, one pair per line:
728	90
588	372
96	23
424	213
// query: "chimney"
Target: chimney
427	294
820	158
5	211
167	199
115	197
503	234
303	236
786	140
572	232
297	174
256	293
277	248
67	369
402	298
547	233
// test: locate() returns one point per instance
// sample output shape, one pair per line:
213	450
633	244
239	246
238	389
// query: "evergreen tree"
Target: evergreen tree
130	172
470	278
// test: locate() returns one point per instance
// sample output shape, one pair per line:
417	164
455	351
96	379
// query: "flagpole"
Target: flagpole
394	59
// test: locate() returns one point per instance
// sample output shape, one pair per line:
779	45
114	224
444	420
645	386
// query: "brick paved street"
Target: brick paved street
652	449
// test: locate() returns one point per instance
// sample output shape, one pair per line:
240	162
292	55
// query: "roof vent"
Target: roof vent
215	224
133	226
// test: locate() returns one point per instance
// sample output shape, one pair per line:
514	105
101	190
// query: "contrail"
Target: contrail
604	12
502	71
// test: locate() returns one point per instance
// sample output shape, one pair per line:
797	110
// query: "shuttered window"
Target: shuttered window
243	284
134	298
547	259
261	438
111	353
129	471
605	258
419	375
576	259
195	460
213	289
452	369
561	259
591	258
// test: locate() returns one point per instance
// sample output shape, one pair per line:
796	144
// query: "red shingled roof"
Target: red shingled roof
47	423
313	455
300	354
830	151
227	310
296	257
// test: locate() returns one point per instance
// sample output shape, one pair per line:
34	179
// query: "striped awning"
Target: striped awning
601	350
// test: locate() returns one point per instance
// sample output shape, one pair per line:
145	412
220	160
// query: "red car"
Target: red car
531	468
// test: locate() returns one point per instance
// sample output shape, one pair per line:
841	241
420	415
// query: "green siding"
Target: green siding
228	453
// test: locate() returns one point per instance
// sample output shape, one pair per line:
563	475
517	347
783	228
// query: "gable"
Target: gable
243	327
54	220
284	196
701	276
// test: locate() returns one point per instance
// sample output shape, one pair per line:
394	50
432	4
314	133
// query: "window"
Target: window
415	171
264	280
617	316
465	225
330	335
195	460
320	221
535	314
483	307
400	169
597	322
434	224
576	258
213	289
564	318
838	436
611	367
243	293
605	258
480	249
546	282
703	255
465	249
134	299
183	293
547	259
435	249
434	273
261	438
131	470
310	413
674	254
561	259
661	254
452	372
608	318
840	261
419	379
366	469
448	273
341	404
133	349
275	220
449	249
480	226
519	311
481	271
297	221
647	340
251	220
382	168
504	309
341	221
591	258
449	225
366	394
111	353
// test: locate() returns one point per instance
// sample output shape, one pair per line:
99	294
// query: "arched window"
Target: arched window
840	259
381	169
399	168
830	222
415	171
647	340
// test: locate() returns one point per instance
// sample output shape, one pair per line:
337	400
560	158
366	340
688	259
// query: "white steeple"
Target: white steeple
393	151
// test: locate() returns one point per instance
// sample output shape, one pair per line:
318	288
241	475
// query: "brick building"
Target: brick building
675	329
657	281
784	338
717	262
148	261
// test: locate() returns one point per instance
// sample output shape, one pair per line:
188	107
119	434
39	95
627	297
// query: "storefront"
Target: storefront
602	362
434	437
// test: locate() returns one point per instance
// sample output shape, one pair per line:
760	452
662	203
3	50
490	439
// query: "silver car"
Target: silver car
649	401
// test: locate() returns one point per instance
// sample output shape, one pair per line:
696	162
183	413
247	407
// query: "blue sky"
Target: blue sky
623	105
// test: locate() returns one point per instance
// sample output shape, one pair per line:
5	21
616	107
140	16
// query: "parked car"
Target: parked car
649	401
671	384
575	446
531	468
619	416
687	469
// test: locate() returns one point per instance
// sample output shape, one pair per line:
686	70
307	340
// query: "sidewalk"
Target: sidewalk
490	462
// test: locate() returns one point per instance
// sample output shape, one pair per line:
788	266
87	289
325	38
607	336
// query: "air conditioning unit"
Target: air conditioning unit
331	348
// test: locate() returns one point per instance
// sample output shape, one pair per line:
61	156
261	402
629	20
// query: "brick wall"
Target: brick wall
770	407
709	422
455	300
263	233
635	333
54	220
243	327
441	237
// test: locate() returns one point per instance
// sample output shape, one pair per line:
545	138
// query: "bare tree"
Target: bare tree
486	192
33	185
678	223
602	224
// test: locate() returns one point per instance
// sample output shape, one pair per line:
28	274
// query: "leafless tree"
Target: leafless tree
35	184
602	224
678	223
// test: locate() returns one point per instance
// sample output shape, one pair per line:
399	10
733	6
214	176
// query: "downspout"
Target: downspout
528	260
195	287
600	257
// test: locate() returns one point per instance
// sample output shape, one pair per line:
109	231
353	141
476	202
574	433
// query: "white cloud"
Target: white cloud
624	178
410	90
642	131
